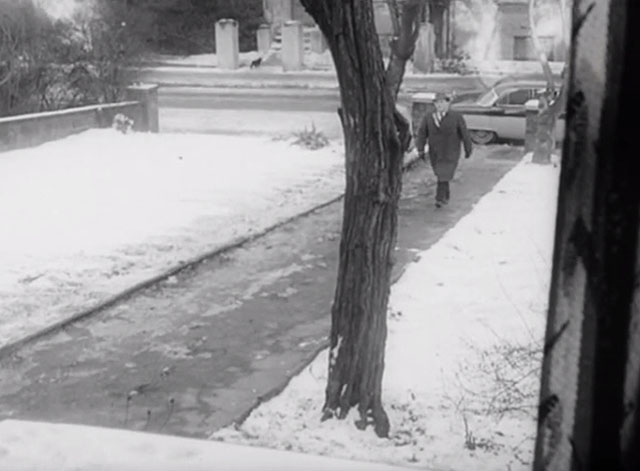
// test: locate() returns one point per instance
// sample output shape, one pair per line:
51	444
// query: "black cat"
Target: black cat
256	63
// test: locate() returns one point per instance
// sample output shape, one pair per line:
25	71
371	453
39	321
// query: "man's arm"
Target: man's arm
464	135
422	135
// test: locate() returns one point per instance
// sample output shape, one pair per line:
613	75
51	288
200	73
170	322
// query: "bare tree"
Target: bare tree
8	44
376	139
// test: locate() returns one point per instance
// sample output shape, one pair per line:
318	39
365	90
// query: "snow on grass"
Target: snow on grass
88	216
465	327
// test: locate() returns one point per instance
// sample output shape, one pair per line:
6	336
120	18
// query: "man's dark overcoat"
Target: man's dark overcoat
445	142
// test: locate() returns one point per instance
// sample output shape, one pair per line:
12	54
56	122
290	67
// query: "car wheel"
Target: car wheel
482	137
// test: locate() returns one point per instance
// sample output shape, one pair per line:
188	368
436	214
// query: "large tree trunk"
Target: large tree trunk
374	154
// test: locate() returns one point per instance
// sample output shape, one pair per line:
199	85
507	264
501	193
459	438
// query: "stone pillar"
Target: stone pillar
425	49
318	42
292	46
278	12
285	10
227	44
421	104
264	39
531	125
147	95
384	27
382	17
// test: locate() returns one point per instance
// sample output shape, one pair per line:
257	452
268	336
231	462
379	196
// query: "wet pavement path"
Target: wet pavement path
192	354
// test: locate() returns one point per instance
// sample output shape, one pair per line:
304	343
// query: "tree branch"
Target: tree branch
394	13
542	56
563	21
406	32
404	43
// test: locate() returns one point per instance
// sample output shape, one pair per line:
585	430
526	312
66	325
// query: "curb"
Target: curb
276	390
12	347
409	90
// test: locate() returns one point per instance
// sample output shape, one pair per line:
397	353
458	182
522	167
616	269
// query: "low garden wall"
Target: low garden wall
30	130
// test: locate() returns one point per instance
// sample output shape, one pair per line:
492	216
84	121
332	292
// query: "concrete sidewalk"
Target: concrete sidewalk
196	352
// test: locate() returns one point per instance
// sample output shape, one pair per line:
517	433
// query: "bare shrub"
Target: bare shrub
310	138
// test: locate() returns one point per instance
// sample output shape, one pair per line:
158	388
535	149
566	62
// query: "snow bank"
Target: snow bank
85	217
471	310
36	446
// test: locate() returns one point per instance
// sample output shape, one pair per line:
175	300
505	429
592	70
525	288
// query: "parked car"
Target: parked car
500	112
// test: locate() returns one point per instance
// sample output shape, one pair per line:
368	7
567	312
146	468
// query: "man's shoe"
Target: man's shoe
439	204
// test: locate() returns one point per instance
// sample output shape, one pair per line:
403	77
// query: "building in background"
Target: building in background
276	12
483	29
500	29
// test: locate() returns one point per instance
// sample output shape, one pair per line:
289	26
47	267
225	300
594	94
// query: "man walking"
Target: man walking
445	130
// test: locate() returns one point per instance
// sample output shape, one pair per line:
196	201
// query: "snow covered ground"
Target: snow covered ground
85	217
465	328
33	446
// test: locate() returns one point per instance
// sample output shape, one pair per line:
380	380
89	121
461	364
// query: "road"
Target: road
275	78
271	111
267	102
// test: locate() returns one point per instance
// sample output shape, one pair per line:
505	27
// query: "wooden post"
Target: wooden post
531	125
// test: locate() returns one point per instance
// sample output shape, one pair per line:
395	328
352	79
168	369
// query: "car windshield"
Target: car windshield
488	98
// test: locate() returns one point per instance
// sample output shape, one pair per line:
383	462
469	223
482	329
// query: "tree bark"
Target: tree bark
589	415
550	101
375	138
551	104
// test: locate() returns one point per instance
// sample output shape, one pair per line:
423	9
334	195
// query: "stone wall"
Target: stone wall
17	132
29	130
